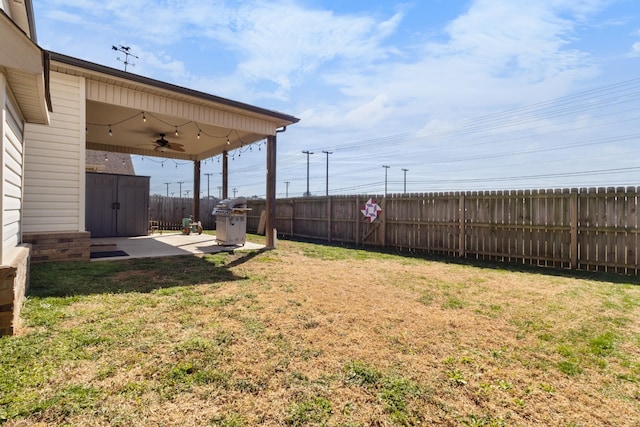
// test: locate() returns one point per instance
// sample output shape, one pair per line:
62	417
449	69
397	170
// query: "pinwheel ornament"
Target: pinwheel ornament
371	209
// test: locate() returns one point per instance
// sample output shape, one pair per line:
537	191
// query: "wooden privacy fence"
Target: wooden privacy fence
169	211
592	229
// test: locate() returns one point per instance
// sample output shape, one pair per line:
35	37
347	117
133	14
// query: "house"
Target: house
56	107
102	161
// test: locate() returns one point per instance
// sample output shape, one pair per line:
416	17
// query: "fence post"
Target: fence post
461	232
573	219
383	225
293	215
329	219
357	218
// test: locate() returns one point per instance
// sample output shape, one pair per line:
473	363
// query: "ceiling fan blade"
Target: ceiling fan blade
175	147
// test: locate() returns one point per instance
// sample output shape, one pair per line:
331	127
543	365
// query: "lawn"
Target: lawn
317	335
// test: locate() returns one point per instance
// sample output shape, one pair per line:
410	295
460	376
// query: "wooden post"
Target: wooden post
196	190
271	192
357	219
328	219
225	174
383	223
461	236
293	211
573	219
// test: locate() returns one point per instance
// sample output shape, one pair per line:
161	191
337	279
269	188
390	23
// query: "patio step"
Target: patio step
103	247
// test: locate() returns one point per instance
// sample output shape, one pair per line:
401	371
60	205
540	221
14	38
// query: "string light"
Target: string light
243	148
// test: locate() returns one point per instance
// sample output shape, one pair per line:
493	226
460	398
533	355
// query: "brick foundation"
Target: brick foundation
59	246
14	281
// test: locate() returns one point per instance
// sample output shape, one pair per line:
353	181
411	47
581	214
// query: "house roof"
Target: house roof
127	113
91	68
101	161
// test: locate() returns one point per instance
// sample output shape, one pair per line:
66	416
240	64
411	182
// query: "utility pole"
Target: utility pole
208	175
167	184
186	193
386	168
181	201
307	194
219	192
327	153
405	180
287	188
235	190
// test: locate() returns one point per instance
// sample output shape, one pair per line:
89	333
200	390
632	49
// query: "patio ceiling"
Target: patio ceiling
127	113
140	129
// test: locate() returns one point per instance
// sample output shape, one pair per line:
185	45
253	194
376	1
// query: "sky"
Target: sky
408	96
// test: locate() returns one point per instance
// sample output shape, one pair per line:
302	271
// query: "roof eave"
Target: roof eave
25	66
286	119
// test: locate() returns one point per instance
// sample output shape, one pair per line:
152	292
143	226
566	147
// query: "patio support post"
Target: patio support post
270	228
196	190
225	175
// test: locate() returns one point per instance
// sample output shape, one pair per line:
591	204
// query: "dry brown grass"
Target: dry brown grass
306	335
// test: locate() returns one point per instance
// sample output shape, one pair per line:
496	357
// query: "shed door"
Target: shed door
101	199
117	205
132	217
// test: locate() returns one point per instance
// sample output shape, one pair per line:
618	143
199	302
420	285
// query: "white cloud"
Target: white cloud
496	55
635	49
164	62
284	43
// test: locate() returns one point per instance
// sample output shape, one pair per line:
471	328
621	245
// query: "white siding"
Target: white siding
54	162
11	161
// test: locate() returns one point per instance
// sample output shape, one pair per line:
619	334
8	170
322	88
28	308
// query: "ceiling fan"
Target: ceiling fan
164	145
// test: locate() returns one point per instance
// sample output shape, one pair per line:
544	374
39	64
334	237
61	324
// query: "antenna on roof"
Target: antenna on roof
125	50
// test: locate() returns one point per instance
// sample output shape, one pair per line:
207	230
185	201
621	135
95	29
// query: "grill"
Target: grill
231	221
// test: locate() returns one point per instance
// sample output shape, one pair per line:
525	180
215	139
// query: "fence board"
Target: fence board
536	227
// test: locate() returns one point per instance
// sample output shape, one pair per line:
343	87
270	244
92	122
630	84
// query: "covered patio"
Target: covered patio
160	245
131	114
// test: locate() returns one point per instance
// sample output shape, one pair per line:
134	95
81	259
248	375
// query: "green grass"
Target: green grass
314	411
319	335
394	391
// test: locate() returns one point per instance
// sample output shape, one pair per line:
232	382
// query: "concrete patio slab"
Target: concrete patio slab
166	244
